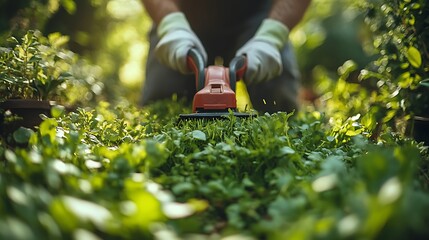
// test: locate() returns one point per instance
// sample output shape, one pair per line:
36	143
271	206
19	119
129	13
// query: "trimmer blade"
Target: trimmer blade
214	115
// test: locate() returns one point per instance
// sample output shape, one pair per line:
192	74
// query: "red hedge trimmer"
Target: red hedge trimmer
215	97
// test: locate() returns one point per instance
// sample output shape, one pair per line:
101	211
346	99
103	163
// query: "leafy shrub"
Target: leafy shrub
121	172
42	68
392	88
401	35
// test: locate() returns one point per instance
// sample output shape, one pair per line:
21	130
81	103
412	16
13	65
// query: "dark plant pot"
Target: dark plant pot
27	112
421	129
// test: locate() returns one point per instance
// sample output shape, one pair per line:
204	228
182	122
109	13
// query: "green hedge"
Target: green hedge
126	173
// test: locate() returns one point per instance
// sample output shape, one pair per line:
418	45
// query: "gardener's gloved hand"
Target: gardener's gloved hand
176	38
263	51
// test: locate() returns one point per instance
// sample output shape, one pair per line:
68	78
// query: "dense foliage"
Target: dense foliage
42	68
129	173
402	36
394	84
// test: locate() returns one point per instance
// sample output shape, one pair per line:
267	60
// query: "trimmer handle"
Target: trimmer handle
237	68
196	63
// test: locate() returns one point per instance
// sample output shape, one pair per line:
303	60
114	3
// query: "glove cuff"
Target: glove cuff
175	20
274	32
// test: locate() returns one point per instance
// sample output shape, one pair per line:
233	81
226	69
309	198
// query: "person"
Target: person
258	29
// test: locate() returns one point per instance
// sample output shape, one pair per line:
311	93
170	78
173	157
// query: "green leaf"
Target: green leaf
352	132
14	228
48	129
156	153
286	150
348	67
199	135
405	80
87	211
183	187
57	111
84	234
22	135
390	115
69	6
333	164
414	57
58	40
425	83
10	156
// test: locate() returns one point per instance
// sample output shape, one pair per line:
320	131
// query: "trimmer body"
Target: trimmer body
215	97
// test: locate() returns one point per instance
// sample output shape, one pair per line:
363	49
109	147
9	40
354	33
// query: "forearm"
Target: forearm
289	12
157	9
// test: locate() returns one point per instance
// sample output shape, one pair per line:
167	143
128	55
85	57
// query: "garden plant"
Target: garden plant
343	169
36	73
120	172
40	68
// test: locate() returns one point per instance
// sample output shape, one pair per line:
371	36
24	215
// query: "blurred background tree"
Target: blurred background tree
332	32
112	34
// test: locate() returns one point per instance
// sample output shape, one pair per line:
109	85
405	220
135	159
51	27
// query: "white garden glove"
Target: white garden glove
176	38
263	51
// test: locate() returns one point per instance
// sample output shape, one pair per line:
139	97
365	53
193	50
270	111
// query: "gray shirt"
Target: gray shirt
224	17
